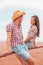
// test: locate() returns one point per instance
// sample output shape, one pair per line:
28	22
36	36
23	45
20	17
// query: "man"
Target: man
15	37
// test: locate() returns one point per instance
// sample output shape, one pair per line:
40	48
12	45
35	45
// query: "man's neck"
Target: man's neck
18	24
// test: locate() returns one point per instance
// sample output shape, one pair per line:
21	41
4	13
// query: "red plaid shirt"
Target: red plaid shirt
16	37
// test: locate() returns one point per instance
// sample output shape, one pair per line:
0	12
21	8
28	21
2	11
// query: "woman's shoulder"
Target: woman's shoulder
34	27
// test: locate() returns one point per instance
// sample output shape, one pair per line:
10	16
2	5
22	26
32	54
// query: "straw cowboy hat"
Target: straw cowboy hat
17	14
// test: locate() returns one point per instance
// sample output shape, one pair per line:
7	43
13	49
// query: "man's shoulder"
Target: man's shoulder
9	25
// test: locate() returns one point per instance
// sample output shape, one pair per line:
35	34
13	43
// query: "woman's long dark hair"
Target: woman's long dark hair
37	23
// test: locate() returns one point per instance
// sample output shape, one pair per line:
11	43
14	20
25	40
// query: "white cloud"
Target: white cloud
22	3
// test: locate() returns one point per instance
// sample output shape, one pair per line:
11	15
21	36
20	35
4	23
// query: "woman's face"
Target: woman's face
32	21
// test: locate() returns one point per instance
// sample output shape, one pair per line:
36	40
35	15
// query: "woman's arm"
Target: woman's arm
27	39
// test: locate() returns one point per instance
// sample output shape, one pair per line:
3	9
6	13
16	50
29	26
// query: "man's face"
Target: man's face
20	19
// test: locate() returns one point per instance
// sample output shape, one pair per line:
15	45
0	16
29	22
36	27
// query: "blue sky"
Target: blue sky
7	9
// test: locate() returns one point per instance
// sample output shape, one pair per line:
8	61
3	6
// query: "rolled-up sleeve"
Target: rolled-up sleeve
33	32
9	28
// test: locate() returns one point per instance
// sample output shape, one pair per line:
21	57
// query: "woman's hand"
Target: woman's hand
27	40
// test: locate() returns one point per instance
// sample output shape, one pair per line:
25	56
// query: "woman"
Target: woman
33	32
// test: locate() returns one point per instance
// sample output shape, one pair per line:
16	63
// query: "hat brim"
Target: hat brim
18	15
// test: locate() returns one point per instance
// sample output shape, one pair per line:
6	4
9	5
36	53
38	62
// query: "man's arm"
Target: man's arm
8	43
